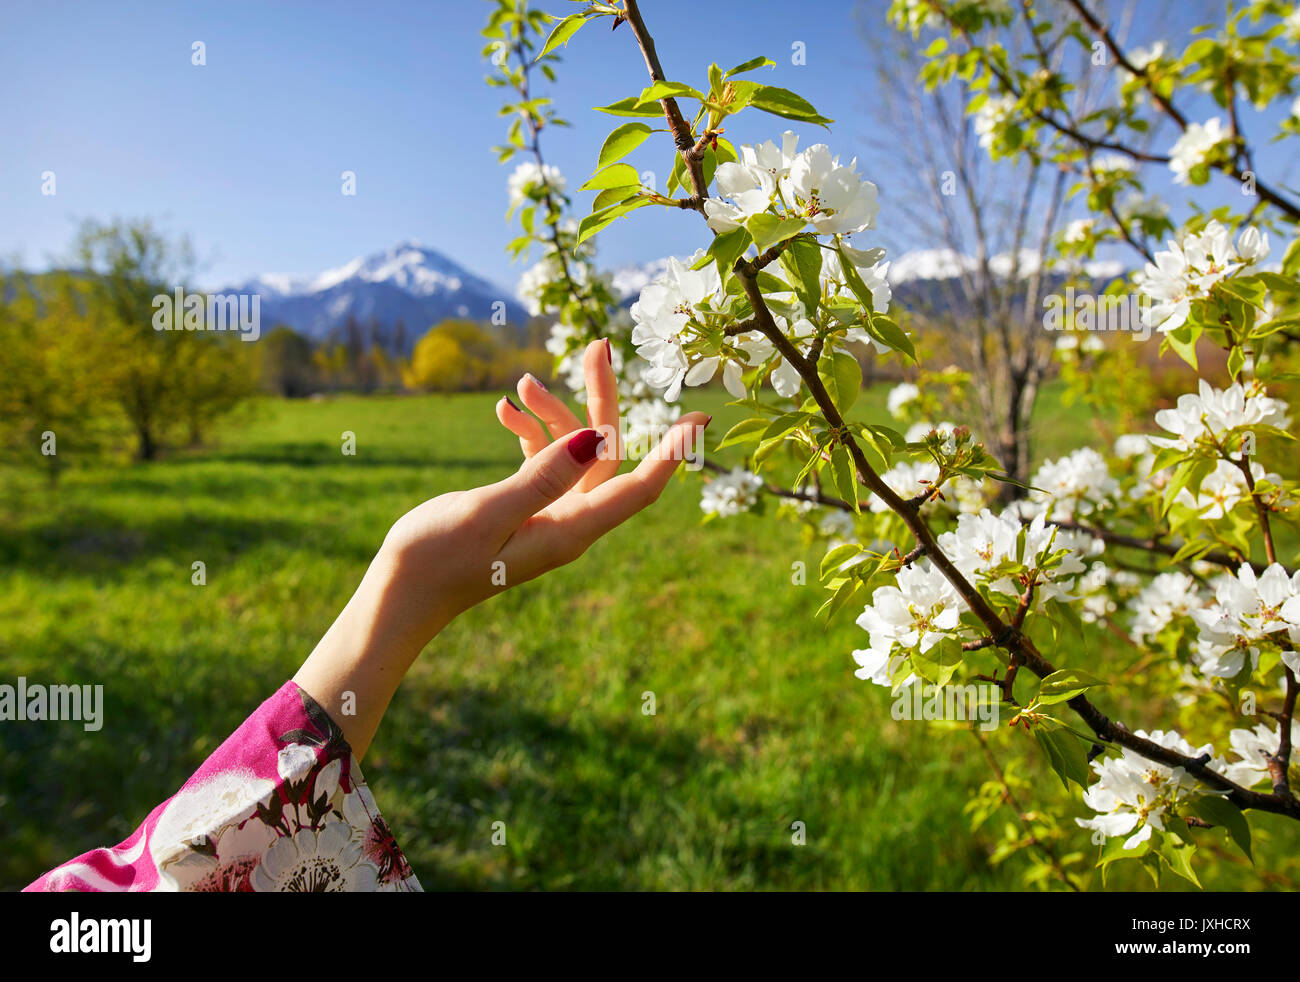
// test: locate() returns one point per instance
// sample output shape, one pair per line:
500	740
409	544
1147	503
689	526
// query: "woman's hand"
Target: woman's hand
457	549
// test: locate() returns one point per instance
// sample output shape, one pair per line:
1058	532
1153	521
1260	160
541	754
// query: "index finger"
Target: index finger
621	497
602	411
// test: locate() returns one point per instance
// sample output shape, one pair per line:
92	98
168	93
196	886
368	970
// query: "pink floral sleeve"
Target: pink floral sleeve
280	806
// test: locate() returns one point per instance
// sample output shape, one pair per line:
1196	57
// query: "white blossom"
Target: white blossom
832	196
1245	610
661	316
1166	597
647	421
900	396
1078	230
992	113
750	183
1184	272
1192	147
917	613
529	182
1212	413
1076	485
1255	747
731	493
907	479
1133	793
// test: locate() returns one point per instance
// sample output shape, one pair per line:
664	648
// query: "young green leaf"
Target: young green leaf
846	481
621	142
787	105
768	230
631	106
749	66
561	33
1064	685
842	375
613	176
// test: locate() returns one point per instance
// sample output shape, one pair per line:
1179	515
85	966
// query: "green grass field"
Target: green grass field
527	710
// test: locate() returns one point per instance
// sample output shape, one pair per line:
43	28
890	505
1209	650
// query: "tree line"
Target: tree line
85	373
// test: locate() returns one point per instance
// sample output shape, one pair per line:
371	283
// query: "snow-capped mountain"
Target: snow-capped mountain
409	283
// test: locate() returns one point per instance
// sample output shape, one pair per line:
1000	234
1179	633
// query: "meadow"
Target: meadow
527	710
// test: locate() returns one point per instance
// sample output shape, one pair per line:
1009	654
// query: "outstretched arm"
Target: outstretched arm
438	560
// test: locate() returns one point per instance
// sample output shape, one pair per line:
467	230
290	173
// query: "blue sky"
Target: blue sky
245	153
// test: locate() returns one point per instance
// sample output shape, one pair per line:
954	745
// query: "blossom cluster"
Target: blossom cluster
731	493
1246	610
1133	795
810	185
996	552
1185	272
531	182
1194	147
680	318
1211	414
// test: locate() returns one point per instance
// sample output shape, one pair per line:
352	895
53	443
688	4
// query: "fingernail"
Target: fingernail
708	421
609	352
537	382
585	445
512	404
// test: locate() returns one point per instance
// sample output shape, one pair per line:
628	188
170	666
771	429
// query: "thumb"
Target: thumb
542	479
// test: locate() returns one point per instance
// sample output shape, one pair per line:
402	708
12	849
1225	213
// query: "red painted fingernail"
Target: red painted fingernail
512	404
538	382
585	445
609	352
708	421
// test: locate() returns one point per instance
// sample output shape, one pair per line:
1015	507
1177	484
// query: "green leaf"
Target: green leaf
1236	361
621	142
846	481
841	373
597	220
727	248
746	431
611	196
631	106
787	423
884	330
1113	849
1183	341
613	176
561	33
668	90
837	557
844	594
787	105
1178	856
1246	288
1222	812
1065	685
802	259
749	66
1189	472
768	230
1064	752
940	663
